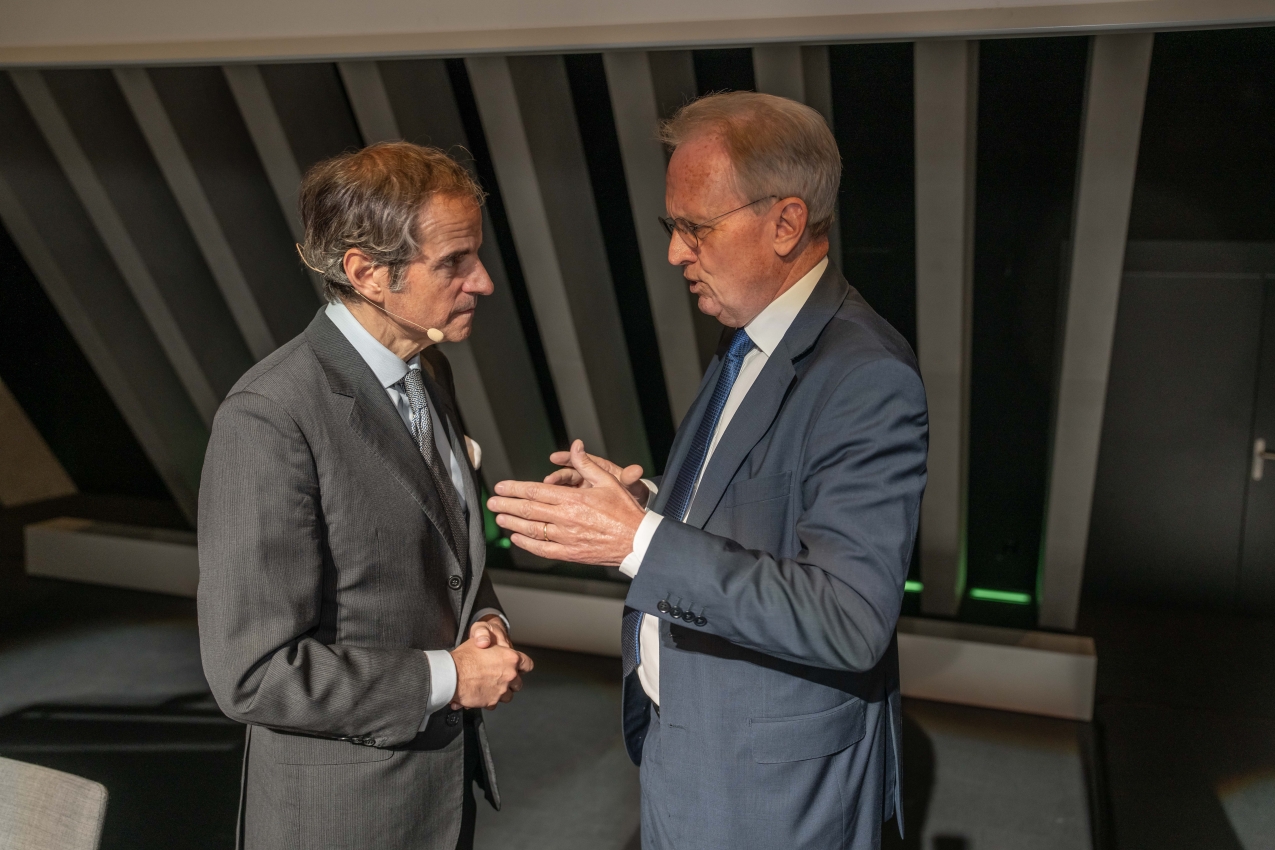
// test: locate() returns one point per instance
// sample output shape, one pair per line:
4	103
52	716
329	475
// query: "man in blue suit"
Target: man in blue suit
761	690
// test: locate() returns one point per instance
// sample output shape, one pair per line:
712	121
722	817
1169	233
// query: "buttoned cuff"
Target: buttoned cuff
650	486
442	682
641	541
485	611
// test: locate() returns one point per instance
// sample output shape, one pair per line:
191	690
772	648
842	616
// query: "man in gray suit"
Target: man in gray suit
344	614
761	690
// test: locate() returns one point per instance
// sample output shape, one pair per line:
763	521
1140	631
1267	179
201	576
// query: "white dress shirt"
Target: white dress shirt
390	371
766	330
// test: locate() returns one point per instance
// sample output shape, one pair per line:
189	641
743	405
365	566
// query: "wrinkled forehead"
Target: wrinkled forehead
701	179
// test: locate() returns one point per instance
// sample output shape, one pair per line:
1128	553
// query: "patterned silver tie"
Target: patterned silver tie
423	431
630	641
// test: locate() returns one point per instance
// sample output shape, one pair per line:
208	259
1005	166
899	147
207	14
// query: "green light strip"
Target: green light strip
911	587
1011	597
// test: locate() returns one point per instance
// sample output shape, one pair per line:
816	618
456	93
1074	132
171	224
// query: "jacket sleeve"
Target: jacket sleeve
835	604
485	599
262	563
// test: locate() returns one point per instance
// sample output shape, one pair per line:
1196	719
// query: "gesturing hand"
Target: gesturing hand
629	476
592	522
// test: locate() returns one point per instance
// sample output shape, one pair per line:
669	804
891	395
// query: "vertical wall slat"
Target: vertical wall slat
268	137
377	122
946	101
115	236
183	182
1115	93
519	186
636	113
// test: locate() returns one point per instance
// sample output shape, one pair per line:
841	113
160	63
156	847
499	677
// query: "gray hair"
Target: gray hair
778	147
372	200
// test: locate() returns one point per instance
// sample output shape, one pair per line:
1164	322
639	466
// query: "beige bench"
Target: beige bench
45	809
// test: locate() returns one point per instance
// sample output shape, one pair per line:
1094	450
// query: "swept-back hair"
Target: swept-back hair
777	147
372	199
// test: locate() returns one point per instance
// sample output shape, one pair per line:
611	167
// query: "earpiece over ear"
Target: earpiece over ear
433	333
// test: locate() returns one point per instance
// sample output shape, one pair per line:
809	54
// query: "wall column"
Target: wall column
1115	92
946	104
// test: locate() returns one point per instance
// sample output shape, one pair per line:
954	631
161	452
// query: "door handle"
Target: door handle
1260	456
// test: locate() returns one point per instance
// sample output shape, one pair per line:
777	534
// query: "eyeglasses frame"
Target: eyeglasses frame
692	229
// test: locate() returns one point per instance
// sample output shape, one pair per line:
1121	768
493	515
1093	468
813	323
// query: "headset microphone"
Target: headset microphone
433	333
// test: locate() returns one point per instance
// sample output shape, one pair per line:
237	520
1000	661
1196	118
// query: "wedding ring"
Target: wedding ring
544	531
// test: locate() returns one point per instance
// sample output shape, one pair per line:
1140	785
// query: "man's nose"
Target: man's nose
480	283
679	253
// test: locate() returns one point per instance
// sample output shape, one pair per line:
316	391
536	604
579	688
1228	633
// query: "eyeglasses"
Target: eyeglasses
693	234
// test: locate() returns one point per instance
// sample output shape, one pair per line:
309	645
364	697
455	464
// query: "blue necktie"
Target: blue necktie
684	487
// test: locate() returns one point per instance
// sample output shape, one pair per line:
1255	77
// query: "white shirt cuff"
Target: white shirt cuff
641	541
442	681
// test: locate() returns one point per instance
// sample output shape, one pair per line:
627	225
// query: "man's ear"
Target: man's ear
368	278
791	226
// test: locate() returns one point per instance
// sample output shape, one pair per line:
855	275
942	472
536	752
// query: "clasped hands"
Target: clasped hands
488	668
587	512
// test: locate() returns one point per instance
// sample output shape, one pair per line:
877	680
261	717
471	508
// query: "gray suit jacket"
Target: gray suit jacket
780	718
324	573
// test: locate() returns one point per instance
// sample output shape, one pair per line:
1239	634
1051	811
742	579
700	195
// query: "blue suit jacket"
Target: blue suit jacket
779	723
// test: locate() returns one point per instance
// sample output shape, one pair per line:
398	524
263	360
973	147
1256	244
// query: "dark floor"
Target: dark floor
118	697
1185	722
976	779
106	683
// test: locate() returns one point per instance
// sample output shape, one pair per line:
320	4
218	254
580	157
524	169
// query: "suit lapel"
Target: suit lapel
682	439
477	537
765	398
447	404
374	419
749	424
686	428
378	424
473	501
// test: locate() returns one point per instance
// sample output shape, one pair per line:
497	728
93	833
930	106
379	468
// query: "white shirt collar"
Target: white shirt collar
768	327
385	364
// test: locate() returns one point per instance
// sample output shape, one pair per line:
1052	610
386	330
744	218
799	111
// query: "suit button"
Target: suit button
454	582
664	607
453	717
688	617
676	612
701	621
